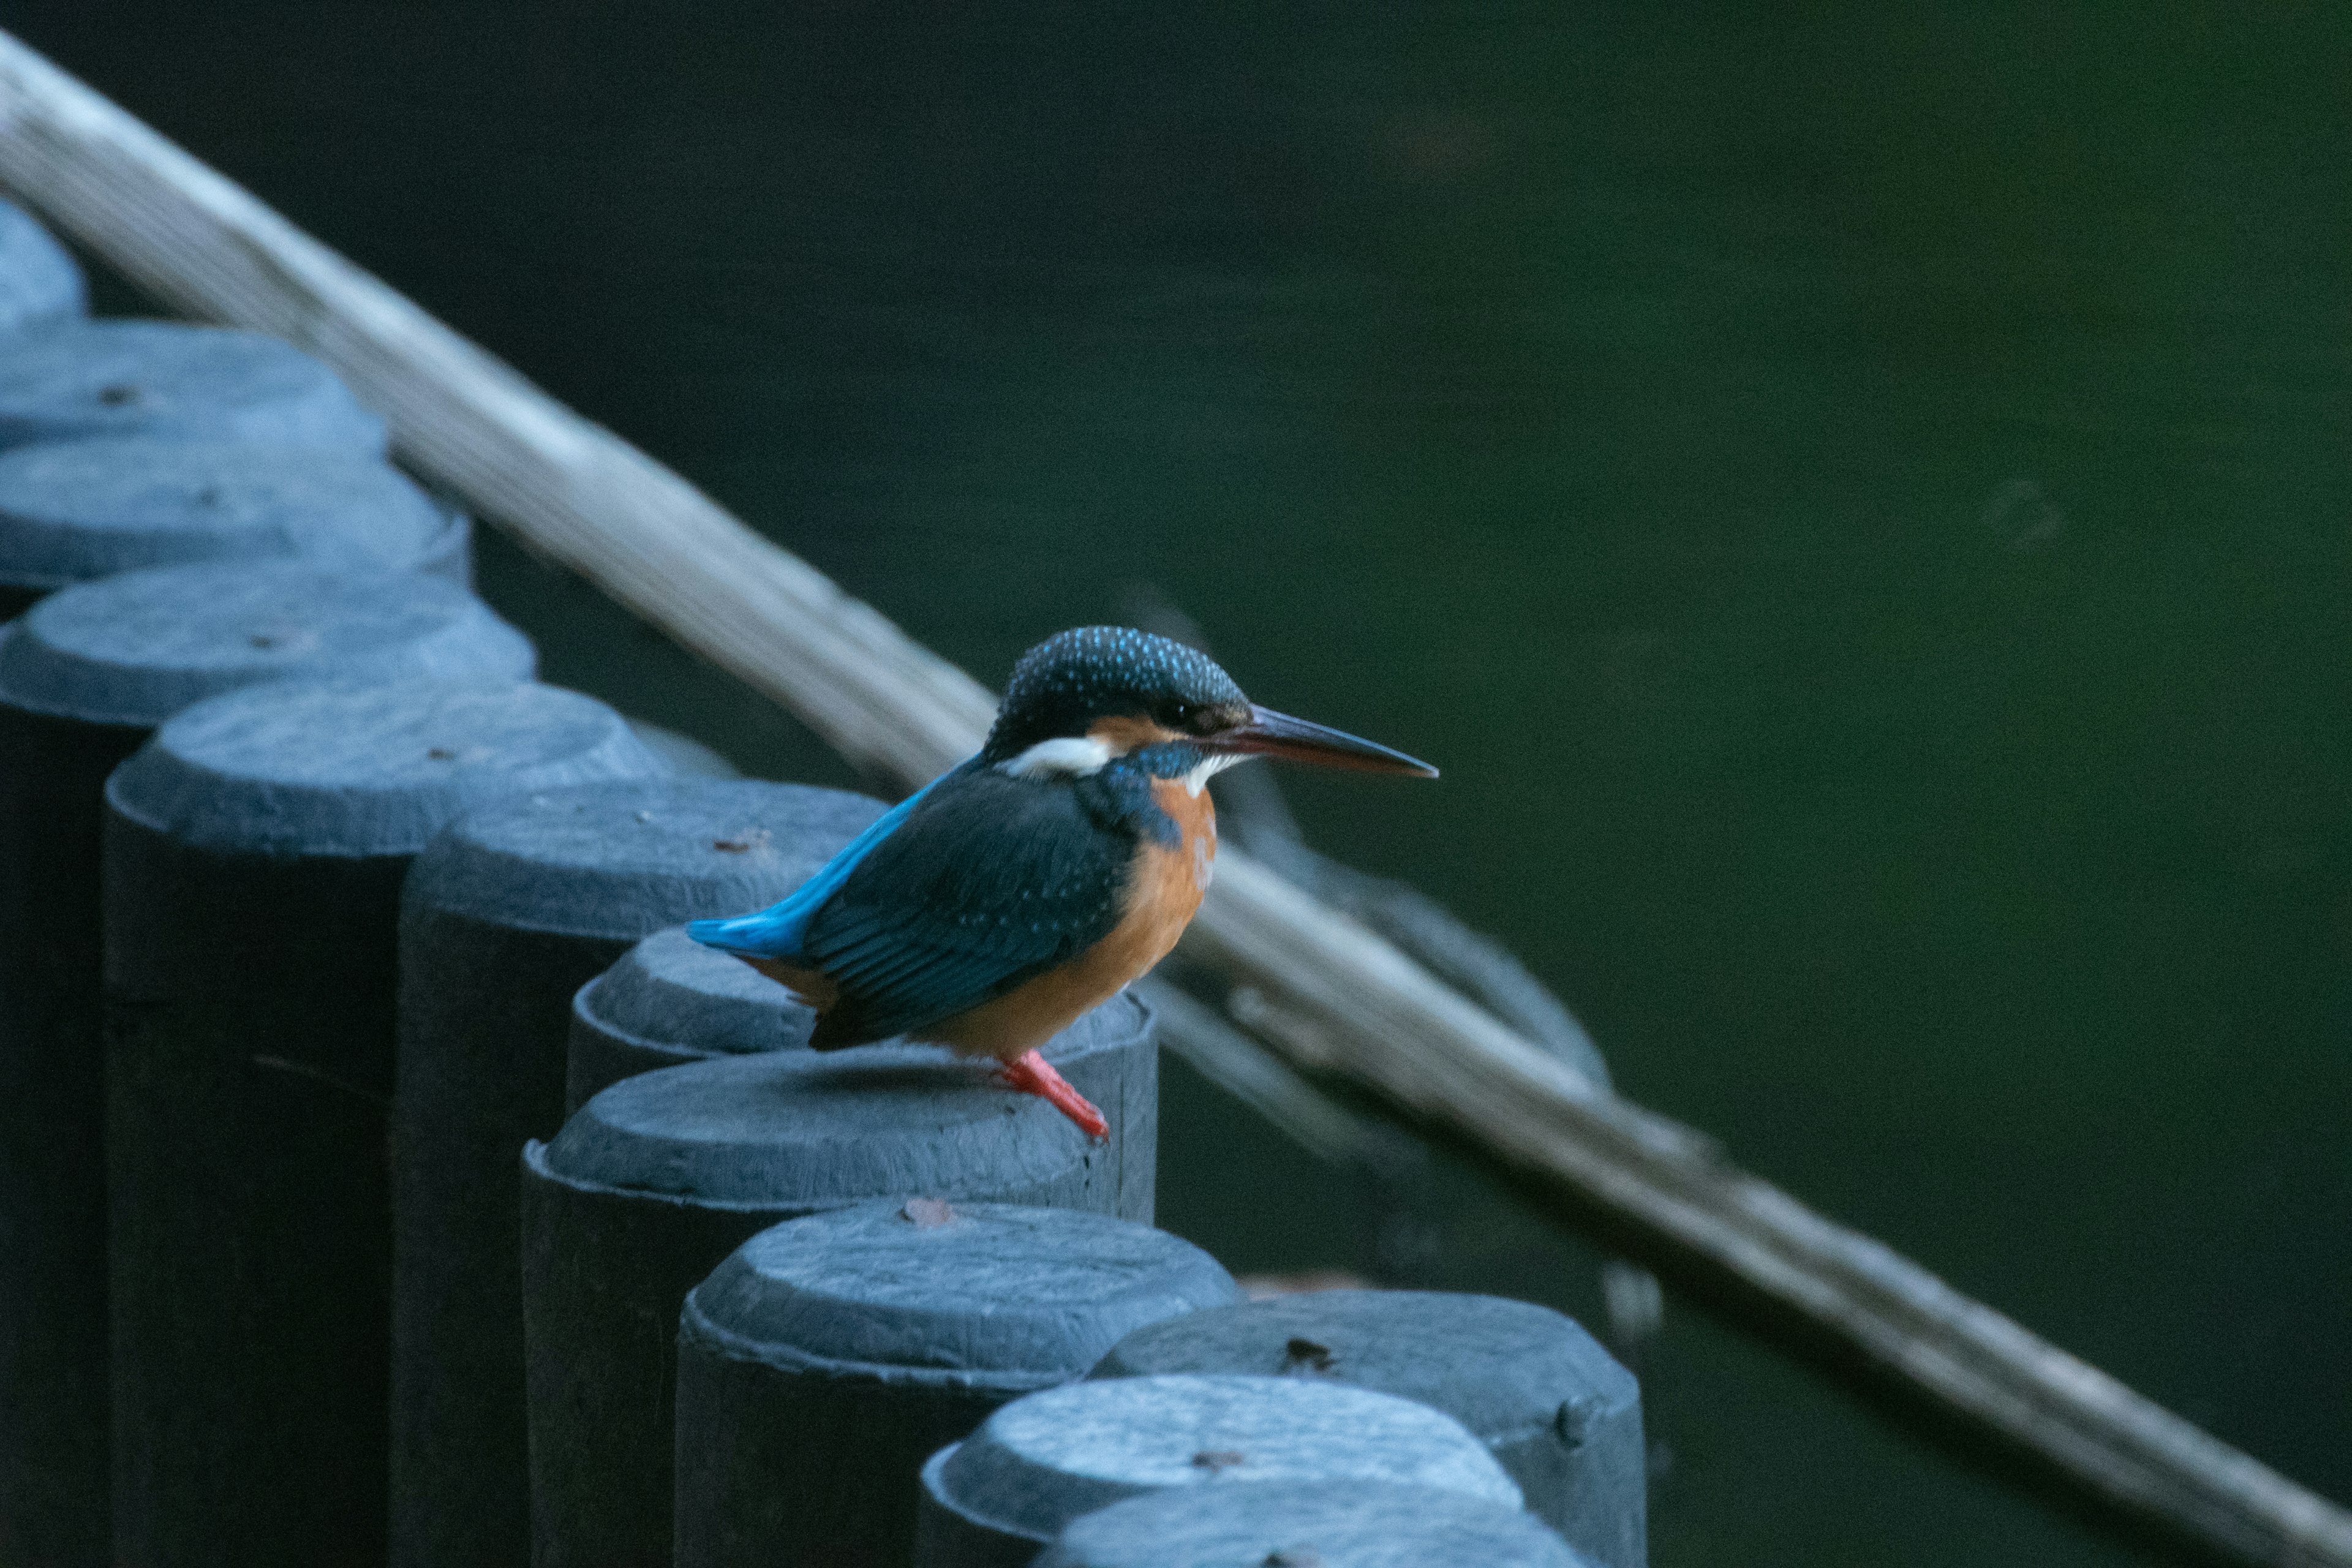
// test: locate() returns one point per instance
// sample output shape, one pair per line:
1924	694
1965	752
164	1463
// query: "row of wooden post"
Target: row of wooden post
1320	988
317	913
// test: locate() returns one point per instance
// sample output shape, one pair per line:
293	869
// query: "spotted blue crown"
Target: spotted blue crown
1072	678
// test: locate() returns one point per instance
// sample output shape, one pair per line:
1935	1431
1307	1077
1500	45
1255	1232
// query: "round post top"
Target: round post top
806	1130
1308	1524
73	510
1043	1461
292	768
670	990
618	860
1503	1368
1000	1296
134	648
68	379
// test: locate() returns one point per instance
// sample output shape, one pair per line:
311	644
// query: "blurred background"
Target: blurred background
1854	496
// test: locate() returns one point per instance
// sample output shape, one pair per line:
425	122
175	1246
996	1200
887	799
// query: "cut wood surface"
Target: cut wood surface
1334	995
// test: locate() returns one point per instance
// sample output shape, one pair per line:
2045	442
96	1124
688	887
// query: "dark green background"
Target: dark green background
1854	497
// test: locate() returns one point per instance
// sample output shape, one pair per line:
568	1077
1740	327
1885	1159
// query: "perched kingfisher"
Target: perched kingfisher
1027	884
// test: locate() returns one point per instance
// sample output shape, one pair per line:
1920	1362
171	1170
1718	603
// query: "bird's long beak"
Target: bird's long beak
1272	734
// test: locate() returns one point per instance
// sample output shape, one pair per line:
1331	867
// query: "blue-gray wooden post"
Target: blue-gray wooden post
39	280
822	1363
1554	1408
85	676
997	1498
657	1179
1309	1524
74	510
505	915
69	379
671	1000
254	852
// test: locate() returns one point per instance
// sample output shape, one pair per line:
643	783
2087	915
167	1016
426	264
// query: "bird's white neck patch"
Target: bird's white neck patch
1208	767
1064	757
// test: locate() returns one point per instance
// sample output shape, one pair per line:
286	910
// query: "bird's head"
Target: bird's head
1084	696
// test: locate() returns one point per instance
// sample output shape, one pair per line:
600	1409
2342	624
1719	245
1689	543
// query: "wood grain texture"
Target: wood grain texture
1331	993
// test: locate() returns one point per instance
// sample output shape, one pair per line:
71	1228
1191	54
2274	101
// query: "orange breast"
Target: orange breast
1162	896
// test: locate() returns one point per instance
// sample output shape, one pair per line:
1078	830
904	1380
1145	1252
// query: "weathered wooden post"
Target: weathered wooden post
255	849
85	676
657	1179
824	1360
997	1498
505	915
68	379
39	282
1309	1524
670	1000
1553	1406
73	510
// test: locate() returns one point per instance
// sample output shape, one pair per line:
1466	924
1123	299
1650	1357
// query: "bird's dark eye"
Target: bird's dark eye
1180	715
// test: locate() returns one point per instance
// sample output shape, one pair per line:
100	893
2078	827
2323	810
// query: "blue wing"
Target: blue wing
992	881
778	931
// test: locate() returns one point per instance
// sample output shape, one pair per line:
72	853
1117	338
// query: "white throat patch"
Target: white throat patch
1210	767
1066	756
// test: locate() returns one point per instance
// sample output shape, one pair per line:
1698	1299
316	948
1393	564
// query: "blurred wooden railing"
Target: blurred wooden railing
1333	996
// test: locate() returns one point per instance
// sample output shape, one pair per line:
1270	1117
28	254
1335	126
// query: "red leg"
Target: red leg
1033	1074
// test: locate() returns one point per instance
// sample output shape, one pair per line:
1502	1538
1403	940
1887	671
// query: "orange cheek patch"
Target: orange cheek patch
1125	732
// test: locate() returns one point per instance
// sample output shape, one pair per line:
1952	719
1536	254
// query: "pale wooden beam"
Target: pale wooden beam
1328	992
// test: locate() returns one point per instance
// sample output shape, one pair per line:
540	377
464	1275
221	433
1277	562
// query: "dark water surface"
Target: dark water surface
1855	499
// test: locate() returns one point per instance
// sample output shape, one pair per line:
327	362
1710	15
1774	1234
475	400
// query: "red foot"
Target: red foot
1033	1074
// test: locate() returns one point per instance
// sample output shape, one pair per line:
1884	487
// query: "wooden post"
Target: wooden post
999	1496
826	1359
1555	1411
74	510
1330	991
670	1000
516	905
254	851
85	677
650	1186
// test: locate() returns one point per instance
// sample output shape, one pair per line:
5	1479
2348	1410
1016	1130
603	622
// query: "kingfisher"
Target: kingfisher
1027	884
